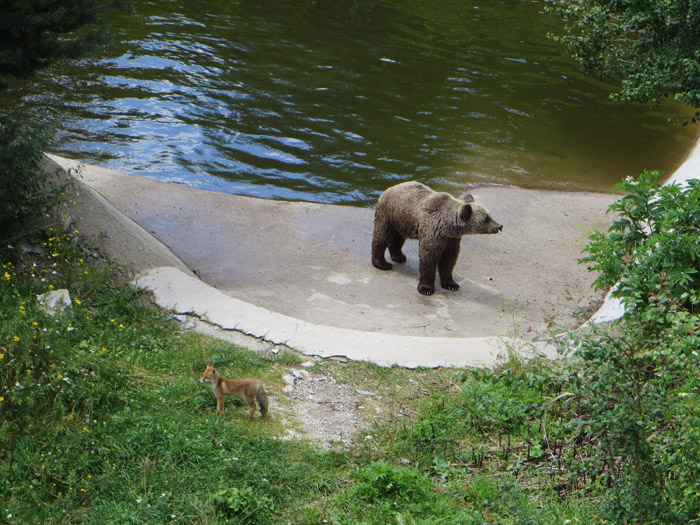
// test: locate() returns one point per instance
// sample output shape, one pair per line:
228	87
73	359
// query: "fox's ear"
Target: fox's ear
210	363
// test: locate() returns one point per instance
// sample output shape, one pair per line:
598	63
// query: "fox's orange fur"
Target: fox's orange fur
252	389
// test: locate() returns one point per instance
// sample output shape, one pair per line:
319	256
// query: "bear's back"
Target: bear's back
414	209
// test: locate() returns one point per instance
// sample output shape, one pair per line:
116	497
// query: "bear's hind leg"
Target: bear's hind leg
395	248
381	240
448	259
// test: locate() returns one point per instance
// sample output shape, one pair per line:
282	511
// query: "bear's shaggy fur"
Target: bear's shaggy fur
412	210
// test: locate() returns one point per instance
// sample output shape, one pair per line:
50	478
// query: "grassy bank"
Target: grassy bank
103	421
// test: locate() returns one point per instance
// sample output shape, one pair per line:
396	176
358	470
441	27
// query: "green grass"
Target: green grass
102	420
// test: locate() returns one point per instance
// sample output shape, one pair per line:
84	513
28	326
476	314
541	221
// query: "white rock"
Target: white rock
289	384
27	248
55	302
365	393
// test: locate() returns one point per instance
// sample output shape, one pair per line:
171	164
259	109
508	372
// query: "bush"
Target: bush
652	250
637	422
27	192
244	504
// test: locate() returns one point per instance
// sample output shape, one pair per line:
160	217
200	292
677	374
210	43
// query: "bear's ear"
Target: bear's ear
465	212
466	197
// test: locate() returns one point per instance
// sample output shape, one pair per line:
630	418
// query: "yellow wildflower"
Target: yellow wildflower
15	338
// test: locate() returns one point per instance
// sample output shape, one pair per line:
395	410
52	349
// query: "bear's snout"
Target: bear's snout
497	229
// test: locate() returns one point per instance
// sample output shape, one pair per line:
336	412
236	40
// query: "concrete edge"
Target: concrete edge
182	294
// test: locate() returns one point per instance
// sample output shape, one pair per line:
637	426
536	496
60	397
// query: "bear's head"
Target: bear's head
475	218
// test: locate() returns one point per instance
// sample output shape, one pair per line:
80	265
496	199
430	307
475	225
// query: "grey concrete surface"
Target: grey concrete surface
309	264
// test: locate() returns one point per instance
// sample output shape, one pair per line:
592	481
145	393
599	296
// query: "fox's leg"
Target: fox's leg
250	399
219	403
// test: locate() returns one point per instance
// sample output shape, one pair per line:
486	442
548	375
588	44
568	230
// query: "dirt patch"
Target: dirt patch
325	410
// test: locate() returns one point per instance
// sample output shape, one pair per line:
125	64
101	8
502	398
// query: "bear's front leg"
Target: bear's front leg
448	259
429	252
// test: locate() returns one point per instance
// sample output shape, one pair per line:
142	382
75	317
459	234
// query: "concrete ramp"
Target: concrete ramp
299	274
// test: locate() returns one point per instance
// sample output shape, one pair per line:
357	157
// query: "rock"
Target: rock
308	364
300	374
55	302
365	393
27	248
186	322
289	383
66	222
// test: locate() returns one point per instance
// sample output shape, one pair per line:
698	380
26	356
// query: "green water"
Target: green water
333	101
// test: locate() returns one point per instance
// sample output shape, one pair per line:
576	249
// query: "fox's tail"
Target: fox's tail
264	403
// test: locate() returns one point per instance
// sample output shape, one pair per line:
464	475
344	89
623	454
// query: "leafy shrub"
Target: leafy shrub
637	423
27	192
652	249
382	481
382	490
244	504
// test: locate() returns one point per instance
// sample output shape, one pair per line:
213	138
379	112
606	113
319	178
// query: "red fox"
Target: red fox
252	389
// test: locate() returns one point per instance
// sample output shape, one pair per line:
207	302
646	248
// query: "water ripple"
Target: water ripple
332	102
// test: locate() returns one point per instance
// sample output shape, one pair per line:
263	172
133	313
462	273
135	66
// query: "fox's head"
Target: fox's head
210	374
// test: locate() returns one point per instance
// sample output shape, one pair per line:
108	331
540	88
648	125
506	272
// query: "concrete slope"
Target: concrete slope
309	265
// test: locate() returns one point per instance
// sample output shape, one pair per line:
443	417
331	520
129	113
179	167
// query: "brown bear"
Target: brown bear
412	210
